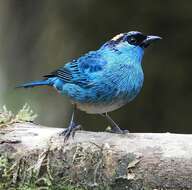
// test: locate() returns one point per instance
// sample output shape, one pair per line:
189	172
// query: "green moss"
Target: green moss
4	173
7	175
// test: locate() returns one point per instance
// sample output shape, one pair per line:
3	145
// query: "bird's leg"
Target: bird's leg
115	127
70	130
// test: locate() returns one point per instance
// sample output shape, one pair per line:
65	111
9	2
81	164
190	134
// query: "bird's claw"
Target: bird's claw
70	131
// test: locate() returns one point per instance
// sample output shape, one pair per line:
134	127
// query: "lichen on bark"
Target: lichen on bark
81	165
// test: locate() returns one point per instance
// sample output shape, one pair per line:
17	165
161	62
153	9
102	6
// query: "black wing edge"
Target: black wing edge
61	73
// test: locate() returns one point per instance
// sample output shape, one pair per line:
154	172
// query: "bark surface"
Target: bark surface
94	160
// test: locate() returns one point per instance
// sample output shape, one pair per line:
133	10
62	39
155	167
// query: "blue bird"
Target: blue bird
103	80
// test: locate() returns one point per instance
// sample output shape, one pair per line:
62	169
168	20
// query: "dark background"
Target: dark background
38	36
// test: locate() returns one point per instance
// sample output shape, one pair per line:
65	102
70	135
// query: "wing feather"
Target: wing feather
79	71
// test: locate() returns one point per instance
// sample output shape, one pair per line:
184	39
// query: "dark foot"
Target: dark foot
116	130
114	127
70	131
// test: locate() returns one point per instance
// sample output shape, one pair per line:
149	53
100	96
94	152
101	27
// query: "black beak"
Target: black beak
149	40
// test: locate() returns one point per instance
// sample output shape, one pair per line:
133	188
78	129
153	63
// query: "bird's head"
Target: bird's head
133	40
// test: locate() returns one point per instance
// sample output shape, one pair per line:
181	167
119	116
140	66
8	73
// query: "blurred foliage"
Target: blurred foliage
5	116
25	114
38	36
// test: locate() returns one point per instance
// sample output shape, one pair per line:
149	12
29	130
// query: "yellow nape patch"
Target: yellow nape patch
117	37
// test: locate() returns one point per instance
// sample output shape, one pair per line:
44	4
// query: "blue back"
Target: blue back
111	73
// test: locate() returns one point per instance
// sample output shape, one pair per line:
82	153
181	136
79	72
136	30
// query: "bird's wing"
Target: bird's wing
80	71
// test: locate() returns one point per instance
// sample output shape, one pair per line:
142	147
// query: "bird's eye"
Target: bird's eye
132	40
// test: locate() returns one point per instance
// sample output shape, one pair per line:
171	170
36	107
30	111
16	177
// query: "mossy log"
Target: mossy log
33	156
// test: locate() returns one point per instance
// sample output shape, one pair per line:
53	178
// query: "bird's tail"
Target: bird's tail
34	83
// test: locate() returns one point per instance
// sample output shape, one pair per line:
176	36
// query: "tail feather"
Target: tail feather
33	84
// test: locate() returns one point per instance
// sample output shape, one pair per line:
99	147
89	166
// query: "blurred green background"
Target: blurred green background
38	36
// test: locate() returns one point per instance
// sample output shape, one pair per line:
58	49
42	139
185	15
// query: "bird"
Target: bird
103	80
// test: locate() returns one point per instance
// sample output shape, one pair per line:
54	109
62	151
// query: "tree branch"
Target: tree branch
33	153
